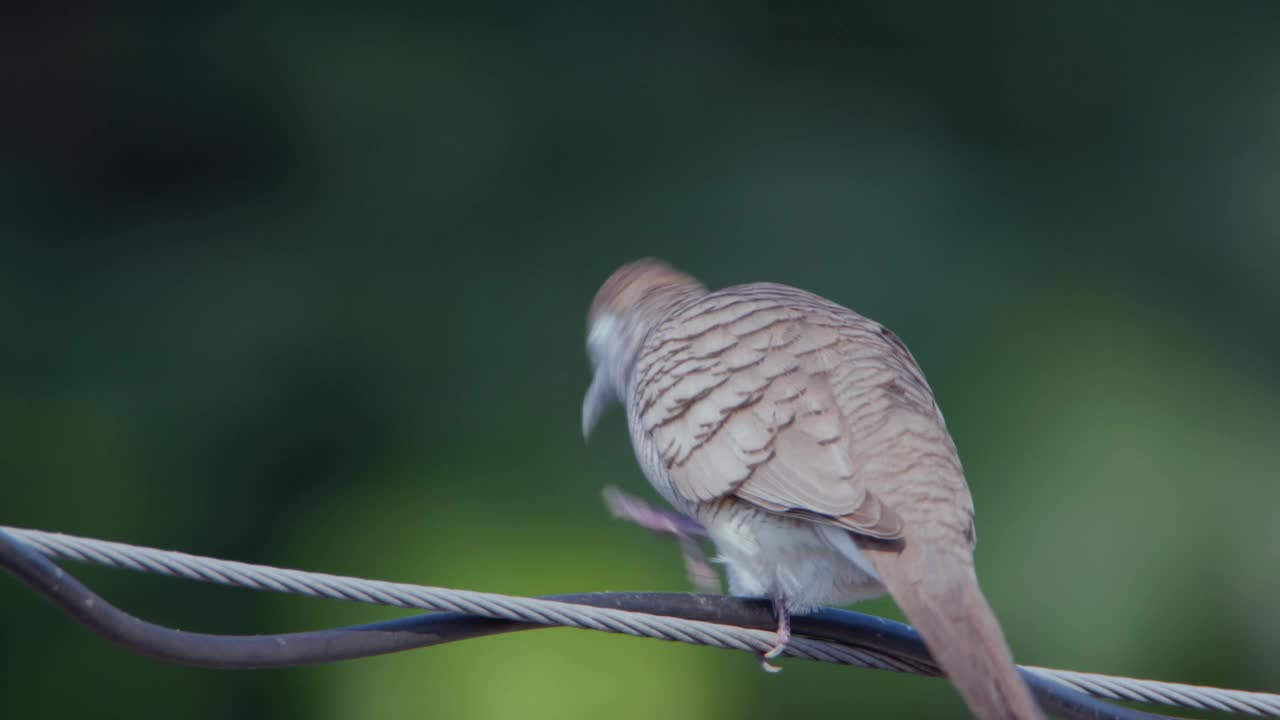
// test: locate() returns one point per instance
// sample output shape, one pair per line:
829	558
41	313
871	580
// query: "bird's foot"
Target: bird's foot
766	665
633	509
685	529
783	637
697	568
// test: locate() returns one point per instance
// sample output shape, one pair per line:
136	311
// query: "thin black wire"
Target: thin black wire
246	652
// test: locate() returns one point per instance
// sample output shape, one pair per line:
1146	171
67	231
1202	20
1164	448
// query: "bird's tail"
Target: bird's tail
941	598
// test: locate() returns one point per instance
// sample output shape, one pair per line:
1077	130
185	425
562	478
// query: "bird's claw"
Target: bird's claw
783	637
766	665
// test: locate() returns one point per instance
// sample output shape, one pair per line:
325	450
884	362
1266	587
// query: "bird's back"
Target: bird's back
797	405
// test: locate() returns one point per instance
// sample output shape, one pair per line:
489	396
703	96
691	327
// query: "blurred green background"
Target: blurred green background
308	288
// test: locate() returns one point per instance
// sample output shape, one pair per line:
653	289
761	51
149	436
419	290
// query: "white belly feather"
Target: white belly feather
770	556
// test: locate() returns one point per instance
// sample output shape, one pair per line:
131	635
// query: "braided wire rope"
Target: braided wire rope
470	602
558	613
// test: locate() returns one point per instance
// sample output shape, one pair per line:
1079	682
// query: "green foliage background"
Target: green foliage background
307	287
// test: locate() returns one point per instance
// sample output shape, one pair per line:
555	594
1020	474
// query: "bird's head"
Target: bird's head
635	298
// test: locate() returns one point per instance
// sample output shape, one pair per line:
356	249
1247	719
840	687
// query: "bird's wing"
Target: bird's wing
752	392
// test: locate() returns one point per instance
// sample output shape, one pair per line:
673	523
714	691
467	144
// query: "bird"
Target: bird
805	439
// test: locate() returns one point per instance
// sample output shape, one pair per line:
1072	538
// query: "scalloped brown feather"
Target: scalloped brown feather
751	392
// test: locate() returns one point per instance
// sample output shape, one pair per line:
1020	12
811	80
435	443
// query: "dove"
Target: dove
805	439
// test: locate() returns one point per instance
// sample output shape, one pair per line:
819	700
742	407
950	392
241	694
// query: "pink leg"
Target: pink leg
685	529
633	509
784	635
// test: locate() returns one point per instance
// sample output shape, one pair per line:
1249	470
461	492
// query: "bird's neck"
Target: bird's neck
639	322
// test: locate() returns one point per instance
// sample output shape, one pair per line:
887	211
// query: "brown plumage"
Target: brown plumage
806	440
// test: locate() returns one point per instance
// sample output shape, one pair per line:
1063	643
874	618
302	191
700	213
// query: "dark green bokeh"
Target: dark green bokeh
308	289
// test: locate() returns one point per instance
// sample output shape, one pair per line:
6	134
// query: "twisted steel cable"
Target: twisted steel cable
469	602
1056	686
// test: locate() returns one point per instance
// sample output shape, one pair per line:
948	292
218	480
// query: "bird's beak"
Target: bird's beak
599	395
